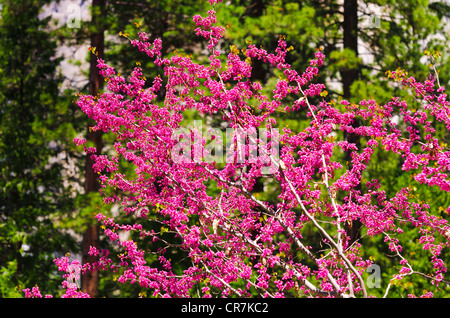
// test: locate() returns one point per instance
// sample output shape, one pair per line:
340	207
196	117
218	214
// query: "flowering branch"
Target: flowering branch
237	243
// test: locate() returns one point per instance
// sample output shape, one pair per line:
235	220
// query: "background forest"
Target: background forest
48	191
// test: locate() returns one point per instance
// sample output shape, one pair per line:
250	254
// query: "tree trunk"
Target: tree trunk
350	26
349	75
89	281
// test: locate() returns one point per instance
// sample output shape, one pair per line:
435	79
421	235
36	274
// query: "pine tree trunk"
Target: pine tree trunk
350	26
89	281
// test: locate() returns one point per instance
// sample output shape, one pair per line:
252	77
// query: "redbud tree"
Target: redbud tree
192	190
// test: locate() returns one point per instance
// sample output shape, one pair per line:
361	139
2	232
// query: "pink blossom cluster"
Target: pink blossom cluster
34	293
237	244
72	270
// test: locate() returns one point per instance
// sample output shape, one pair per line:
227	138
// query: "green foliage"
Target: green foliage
170	20
32	194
